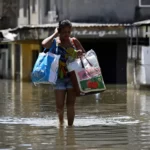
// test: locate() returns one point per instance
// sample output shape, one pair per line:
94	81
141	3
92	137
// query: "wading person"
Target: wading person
67	47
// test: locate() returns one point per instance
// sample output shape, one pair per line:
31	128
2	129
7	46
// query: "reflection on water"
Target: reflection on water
117	119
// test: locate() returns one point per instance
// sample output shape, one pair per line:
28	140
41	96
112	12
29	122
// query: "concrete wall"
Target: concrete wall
46	18
25	59
98	10
34	17
138	70
143	67
143	13
39	16
26	65
101	10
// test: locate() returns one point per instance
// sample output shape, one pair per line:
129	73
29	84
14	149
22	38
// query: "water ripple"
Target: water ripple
86	121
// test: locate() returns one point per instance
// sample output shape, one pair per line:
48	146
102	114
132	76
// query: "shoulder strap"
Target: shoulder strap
73	43
54	45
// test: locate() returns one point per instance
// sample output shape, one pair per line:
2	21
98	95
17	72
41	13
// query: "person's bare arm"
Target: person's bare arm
80	50
46	43
78	45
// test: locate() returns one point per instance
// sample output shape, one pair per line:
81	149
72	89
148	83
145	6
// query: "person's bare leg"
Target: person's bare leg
70	103
60	99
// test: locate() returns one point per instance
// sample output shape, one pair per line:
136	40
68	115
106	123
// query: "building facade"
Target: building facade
102	11
8	19
9	10
87	11
37	12
102	25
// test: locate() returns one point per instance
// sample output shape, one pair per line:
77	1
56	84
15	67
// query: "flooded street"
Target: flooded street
118	119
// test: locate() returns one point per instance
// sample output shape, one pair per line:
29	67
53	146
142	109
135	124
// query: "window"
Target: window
33	6
47	7
144	3
25	6
35	54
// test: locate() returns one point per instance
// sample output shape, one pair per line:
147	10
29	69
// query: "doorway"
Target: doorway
3	63
35	54
112	56
17	62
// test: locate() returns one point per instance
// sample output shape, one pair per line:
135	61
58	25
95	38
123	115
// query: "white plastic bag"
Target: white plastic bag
76	64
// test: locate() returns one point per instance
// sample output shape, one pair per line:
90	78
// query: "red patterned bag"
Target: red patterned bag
86	75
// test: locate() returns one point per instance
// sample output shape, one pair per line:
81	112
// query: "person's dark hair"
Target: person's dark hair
64	23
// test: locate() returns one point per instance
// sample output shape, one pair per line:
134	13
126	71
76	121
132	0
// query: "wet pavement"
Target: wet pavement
118	119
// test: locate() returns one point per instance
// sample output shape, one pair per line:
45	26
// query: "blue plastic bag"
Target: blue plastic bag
45	70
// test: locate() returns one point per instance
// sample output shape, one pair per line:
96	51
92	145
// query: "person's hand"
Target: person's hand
79	53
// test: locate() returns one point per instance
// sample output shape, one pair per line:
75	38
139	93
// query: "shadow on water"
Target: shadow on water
117	119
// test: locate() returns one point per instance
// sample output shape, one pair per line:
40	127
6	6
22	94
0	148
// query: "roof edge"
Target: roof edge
75	25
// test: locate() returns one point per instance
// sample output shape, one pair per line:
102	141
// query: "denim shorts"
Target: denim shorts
63	84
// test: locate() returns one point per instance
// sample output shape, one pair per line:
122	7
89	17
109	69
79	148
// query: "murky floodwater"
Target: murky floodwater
118	119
